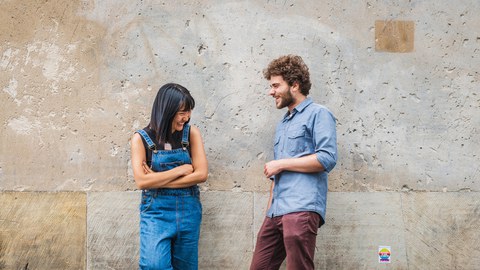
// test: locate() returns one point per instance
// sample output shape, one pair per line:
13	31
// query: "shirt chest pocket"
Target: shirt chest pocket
299	142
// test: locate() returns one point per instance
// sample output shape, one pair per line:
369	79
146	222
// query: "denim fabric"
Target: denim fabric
169	218
309	129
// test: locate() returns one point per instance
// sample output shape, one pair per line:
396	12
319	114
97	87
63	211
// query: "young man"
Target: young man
305	150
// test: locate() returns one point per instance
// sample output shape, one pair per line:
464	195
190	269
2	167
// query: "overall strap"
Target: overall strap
185	136
147	139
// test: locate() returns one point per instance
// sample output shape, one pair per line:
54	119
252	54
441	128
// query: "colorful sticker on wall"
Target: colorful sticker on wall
384	254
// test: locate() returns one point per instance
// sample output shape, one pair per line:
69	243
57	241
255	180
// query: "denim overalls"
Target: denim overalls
169	217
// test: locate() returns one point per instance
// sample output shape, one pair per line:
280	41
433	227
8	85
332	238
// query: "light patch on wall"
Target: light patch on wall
52	61
394	36
75	155
7	58
21	125
11	88
135	124
31	48
114	150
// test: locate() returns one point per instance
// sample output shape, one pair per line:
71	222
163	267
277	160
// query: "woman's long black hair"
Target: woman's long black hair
171	97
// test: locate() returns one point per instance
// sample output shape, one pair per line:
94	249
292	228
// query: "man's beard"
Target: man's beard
286	100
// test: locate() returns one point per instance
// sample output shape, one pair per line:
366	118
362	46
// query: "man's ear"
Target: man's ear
296	87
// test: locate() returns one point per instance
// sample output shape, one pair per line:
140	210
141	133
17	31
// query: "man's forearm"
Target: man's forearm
306	164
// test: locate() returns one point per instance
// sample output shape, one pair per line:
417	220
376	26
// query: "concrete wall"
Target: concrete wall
402	77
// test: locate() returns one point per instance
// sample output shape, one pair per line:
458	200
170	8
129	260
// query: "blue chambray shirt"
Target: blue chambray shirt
309	129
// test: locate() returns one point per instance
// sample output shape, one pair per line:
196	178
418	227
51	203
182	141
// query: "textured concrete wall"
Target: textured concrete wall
402	77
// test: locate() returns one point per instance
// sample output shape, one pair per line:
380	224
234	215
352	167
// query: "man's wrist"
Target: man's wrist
283	165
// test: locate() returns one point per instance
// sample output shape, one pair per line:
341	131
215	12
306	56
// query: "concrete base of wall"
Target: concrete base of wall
99	230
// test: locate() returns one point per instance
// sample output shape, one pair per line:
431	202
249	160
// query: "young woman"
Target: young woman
168	161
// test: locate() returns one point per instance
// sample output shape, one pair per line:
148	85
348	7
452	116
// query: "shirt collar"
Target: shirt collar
299	108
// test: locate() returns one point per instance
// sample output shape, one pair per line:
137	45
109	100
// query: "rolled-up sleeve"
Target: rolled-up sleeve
325	139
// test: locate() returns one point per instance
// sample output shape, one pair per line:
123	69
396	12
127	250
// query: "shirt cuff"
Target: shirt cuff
327	161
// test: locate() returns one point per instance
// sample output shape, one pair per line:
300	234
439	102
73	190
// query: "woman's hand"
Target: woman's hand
146	169
185	169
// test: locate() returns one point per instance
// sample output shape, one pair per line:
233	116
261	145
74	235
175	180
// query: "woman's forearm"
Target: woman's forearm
150	179
154	180
194	178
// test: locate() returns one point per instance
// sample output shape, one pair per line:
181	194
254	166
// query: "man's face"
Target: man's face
280	90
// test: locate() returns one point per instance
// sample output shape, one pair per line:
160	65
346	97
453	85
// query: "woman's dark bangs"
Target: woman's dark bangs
188	103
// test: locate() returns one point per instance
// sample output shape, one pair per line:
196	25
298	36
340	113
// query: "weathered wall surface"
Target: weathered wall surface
78	77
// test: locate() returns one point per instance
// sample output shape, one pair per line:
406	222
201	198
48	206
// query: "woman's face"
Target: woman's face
181	117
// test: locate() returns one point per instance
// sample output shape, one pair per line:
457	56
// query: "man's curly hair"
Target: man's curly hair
292	69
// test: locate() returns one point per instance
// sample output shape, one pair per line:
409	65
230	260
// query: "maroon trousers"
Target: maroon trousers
292	236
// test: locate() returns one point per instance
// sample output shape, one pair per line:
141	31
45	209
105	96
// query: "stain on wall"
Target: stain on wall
394	36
